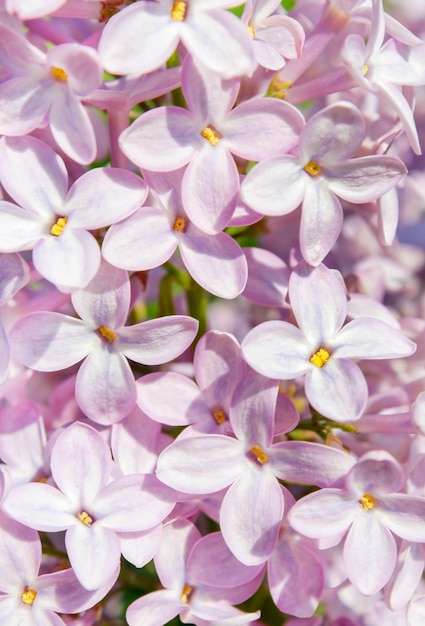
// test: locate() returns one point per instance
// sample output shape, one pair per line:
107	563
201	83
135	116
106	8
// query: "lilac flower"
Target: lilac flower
49	87
371	510
54	221
323	172
105	386
195	603
151	235
321	348
142	37
205	136
92	506
252	508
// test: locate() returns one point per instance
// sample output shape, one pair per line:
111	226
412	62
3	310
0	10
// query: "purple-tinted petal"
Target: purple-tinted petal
71	127
157	341
105	389
277	349
370	338
325	513
94	553
201	465
81	449
154	609
141	242
251	514
370	553
80	63
210	189
40	506
19	229
46	179
216	262
404	515
24	102
91	202
50	341
163	139
338	390
321	221
268	277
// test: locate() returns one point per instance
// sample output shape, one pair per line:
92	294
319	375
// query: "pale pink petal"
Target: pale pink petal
325	513
157	341
41	507
251	514
24	102
50	341
154	609
268	277
404	516
370	338
71	127
216	262
105	388
19	229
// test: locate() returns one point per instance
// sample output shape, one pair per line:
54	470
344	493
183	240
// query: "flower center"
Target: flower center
251	31
367	501
219	415
28	595
58	73
187	590
278	88
179	224
259	454
178	11
108	9
210	135
58	226
365	69
320	357
107	333
313	168
85	518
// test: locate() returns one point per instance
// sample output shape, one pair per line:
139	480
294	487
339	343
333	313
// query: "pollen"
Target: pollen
259	454
210	135
320	357
251	31
109	9
85	518
313	168
365	69
178	11
58	226
187	590
28	595
107	333
367	501
220	416
278	88
59	74
179	224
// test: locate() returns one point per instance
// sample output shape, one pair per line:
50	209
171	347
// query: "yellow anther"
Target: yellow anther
85	518
58	226
313	168
58	73
220	416
28	595
251	31
365	69
187	590
107	333
259	454
320	358
109	9
367	501
178	11
278	88
210	135
179	224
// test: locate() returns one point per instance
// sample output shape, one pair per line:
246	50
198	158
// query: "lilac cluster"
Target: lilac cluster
212	331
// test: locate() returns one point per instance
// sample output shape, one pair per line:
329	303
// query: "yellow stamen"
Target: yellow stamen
313	168
320	358
28	595
220	416
85	518
210	135
178	11
187	590
251	31
58	73
107	333
367	501
278	88
365	69
58	226
259	454
108	9
179	224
